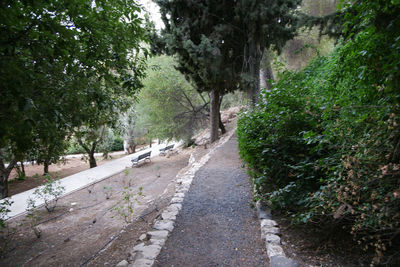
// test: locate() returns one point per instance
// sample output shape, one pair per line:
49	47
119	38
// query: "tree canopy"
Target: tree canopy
168	105
62	63
219	45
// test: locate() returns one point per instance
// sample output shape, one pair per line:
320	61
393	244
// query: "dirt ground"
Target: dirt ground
85	229
91	232
60	170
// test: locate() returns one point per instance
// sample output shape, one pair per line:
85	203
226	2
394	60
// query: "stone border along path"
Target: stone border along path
270	234
145	253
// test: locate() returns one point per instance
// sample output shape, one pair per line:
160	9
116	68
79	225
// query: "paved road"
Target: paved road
216	226
82	179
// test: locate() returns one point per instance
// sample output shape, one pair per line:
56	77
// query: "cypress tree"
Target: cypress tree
264	24
219	44
198	33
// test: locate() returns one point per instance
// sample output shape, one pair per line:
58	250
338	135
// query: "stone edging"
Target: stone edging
270	234
145	253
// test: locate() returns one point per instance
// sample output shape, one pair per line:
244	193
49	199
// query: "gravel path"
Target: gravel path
216	226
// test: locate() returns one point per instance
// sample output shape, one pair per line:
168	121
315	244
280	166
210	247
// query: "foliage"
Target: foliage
74	147
112	142
33	217
4	210
49	193
133	127
19	168
125	207
219	45
169	107
6	230
324	143
233	99
64	63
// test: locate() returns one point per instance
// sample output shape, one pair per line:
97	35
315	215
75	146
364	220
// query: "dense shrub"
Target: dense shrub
324	144
110	143
118	144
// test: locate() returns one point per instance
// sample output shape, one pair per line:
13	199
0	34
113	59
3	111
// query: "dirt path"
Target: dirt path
216	226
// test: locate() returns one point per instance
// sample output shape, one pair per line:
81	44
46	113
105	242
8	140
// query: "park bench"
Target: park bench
143	156
165	149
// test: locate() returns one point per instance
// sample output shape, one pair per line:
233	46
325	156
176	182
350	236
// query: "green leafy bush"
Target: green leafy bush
7	231
50	192
324	144
117	144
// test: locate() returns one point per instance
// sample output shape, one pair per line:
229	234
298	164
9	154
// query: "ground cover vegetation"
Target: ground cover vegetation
323	144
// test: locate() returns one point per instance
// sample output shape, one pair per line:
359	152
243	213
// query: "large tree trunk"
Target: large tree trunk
23	167
221	125
92	160
4	174
266	72
254	54
214	115
20	170
46	167
90	152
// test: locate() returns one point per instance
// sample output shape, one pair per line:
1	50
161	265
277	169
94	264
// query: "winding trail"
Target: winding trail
216	226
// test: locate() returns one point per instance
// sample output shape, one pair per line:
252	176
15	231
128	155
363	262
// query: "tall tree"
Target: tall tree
220	44
168	104
58	59
263	25
202	37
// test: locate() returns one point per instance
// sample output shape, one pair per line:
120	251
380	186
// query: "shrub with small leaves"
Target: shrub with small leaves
125	207
50	192
33	217
323	145
6	230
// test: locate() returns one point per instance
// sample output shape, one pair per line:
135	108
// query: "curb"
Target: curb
146	252
270	234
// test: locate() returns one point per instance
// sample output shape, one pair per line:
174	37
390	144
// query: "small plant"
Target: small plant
33	217
6	231
36	175
125	207
107	190
126	172
21	176
20	172
50	193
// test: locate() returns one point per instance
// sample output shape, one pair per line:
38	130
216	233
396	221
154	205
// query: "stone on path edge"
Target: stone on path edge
270	234
145	255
